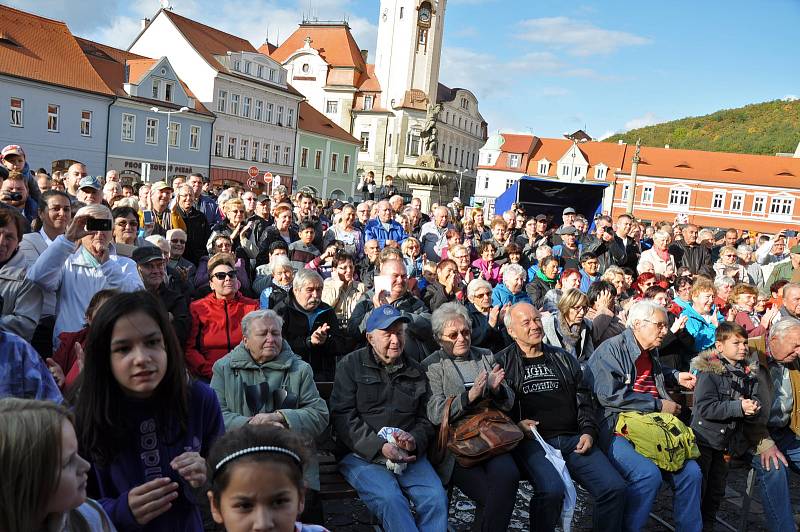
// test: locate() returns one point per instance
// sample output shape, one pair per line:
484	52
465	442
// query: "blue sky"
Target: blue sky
541	66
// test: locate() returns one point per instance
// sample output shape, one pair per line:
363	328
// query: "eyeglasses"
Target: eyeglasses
221	276
464	333
484	294
177	241
236	211
659	324
127	223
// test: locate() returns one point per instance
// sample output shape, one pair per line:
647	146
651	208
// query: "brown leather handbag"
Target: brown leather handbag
479	436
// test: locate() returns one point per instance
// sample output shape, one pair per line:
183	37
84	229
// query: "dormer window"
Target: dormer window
260	71
368	103
237	65
513	160
247	67
600	173
544	167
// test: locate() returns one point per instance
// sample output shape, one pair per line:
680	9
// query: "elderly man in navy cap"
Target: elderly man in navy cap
378	414
90	191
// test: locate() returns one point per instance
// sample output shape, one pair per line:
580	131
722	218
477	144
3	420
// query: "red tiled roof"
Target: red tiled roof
369	82
41	49
313	121
267	48
110	62
334	42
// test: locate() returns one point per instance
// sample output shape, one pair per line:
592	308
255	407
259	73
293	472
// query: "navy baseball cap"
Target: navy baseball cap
383	317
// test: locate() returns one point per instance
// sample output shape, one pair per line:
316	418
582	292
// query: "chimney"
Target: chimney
145	23
365	54
666	146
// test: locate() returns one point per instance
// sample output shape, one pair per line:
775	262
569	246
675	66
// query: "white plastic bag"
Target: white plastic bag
553	455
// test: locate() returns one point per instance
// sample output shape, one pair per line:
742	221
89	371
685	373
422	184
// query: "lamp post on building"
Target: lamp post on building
634	170
460	176
169	118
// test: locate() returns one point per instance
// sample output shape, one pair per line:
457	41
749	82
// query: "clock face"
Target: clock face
425	14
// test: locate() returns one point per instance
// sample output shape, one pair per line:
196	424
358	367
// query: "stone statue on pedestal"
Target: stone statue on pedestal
430	138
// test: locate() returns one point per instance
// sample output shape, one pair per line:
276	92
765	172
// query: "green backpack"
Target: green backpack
661	437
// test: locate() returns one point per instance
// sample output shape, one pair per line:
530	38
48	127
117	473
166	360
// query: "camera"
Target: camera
98	224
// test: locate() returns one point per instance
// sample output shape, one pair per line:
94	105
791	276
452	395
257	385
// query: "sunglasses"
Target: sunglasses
177	241
221	276
464	333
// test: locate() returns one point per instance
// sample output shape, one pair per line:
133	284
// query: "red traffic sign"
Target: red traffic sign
267	177
252	183
252	171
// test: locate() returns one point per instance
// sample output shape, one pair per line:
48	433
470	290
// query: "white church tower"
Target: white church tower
409	50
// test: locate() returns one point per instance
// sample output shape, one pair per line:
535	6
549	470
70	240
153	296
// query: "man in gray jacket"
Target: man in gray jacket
628	376
20	299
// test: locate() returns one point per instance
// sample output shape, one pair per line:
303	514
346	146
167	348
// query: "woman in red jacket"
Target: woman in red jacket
217	318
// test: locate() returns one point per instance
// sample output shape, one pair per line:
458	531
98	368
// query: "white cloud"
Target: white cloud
477	71
609	133
576	37
790	98
648	119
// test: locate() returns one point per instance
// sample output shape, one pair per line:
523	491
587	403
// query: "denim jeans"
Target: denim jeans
774	484
644	480
548	488
384	493
594	472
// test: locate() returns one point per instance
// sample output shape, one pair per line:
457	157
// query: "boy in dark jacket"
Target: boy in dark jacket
726	395
303	251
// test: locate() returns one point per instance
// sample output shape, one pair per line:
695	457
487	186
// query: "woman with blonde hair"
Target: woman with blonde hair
235	225
569	328
44	478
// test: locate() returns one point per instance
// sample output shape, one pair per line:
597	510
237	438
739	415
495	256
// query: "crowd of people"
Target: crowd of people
165	340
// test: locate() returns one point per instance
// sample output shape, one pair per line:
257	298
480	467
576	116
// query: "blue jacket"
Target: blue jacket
23	374
502	295
375	230
704	333
613	366
148	458
586	281
208	206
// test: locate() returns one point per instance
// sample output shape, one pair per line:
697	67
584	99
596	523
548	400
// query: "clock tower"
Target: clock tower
409	51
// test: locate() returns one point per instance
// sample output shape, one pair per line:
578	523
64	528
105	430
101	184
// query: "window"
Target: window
52	118
174	135
718	200
334	161
626	191
287	155
16	107
544	167
231	147
759	203
401	12
271	74
509	182
244	144
260	71
246	106
303	157
331	106
128	127
265	158
255	151
679	196
781	207
156	89
151	131
194	138
86	123
368	100
290	118
168	91
365	141
648	192
317	159
247	67
276	154
235	104
600	173
222	101
346	164
513	160
218	143
259	110
413	143
423	36
280	115
565	170
237	65
269	112
737	201
578	170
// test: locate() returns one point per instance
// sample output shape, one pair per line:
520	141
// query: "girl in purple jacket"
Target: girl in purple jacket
142	423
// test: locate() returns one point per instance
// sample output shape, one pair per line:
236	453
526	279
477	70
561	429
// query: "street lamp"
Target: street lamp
460	176
169	117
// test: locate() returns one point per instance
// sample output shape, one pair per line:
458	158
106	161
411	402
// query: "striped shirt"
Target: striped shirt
645	382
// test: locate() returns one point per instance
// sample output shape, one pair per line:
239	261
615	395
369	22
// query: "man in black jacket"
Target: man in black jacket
378	413
153	270
689	253
554	396
197	230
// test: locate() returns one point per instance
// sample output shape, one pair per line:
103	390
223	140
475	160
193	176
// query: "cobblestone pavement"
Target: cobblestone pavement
351	516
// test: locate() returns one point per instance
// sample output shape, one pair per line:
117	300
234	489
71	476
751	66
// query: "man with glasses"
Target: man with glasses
628	376
362	215
195	222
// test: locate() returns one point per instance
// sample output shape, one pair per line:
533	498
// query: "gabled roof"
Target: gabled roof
333	41
513	144
44	50
313	121
595	153
267	48
110	63
208	41
369	81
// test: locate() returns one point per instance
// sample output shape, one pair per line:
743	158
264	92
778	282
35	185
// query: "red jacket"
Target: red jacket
66	358
216	330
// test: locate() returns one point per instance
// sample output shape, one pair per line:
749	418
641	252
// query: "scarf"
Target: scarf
663	255
544	278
